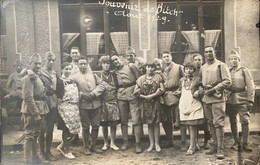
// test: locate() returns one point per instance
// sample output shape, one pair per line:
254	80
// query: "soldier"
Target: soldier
240	100
90	89
171	73
130	55
126	78
215	78
34	108
74	54
49	76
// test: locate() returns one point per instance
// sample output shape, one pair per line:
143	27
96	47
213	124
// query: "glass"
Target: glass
70	23
69	1
101	1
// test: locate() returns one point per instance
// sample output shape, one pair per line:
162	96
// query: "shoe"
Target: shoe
220	154
150	149
157	148
124	147
105	147
138	148
168	145
114	147
183	147
206	146
96	150
236	147
86	152
190	152
246	148
211	151
50	157
69	155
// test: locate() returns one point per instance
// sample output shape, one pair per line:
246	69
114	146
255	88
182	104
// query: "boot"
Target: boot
41	140
48	155
138	133
124	129
245	134
94	135
206	140
35	157
233	126
213	147
168	131
183	137
138	148
28	151
220	140
85	136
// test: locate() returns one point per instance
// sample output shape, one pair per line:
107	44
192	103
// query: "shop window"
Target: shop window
195	26
95	29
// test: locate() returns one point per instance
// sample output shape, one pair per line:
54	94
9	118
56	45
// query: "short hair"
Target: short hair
114	56
103	59
83	58
210	47
190	64
17	63
75	47
197	54
50	55
166	52
63	65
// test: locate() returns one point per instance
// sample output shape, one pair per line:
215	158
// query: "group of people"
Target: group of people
190	97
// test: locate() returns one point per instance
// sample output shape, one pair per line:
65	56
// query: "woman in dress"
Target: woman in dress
110	111
149	87
191	111
68	119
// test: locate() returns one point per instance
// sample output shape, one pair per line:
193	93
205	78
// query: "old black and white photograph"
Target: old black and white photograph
129	82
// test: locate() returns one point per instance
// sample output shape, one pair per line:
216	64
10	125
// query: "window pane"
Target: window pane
101	1
69	1
119	31
190	38
70	30
190	0
3	21
212	28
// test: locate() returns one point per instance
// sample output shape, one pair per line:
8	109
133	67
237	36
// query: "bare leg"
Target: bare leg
105	136
113	137
157	136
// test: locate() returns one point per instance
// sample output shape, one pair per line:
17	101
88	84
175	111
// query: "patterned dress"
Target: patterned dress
150	110
110	110
69	109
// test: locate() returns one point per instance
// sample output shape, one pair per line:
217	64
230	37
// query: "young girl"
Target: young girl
191	111
149	87
110	110
68	119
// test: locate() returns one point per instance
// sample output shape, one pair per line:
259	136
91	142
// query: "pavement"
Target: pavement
12	135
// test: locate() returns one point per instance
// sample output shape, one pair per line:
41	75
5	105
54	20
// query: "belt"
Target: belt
237	90
171	89
126	85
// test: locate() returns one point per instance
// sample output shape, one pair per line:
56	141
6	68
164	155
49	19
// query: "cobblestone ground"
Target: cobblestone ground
171	156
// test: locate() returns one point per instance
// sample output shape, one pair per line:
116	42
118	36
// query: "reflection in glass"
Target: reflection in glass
69	1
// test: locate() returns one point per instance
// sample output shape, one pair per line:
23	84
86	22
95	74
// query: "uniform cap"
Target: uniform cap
234	53
130	50
35	57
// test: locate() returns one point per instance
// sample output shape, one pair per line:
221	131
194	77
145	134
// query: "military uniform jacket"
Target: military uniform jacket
34	92
217	75
243	87
126	77
171	75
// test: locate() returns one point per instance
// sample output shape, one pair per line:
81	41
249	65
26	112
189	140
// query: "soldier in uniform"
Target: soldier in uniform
34	108
240	100
90	90
215	78
74	55
171	73
126	78
49	76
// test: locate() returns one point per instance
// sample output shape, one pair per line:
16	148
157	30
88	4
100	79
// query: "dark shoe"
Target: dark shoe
96	150
220	154
197	147
206	146
246	148
86	152
236	147
138	148
212	151
124	147
50	157
183	147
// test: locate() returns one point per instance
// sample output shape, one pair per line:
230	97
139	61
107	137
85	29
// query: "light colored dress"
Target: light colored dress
69	109
191	110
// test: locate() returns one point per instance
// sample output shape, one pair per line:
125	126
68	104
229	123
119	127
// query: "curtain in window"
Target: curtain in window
68	39
211	37
166	39
93	41
192	37
120	41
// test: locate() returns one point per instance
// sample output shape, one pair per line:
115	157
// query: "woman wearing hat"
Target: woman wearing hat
149	87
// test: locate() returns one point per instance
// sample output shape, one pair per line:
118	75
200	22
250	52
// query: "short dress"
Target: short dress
150	110
69	117
110	111
191	109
